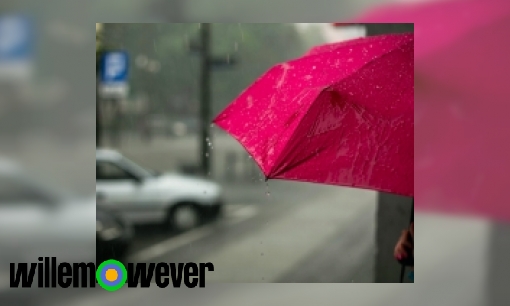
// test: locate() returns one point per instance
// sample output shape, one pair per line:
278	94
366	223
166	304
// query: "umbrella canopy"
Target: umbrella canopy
461	103
341	115
449	51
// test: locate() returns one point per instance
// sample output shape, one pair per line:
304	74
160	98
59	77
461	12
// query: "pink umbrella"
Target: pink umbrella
461	103
341	115
449	50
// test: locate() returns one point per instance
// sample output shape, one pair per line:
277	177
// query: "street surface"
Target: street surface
466	285
306	234
271	232
299	233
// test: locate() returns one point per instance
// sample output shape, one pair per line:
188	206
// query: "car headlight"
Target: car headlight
99	226
108	232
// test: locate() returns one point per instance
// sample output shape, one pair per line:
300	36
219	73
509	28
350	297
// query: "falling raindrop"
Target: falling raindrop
268	193
212	125
242	33
261	254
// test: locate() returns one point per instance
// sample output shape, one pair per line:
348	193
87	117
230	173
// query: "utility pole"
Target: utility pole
205	105
202	47
99	53
99	132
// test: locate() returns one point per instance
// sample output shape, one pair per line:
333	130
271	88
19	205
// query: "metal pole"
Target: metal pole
205	105
99	131
403	268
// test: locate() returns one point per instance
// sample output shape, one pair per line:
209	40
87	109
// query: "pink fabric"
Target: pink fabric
341	115
462	104
454	39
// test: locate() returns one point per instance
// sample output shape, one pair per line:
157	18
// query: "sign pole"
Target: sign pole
99	132
113	86
205	104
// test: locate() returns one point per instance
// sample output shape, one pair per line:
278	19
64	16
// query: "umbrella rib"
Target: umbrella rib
368	63
286	150
284	154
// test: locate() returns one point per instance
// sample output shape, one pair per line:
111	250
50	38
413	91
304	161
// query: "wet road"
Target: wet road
299	233
284	232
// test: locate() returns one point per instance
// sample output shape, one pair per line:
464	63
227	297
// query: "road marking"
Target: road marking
234	214
243	214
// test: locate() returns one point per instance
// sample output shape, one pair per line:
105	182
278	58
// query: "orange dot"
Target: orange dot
111	275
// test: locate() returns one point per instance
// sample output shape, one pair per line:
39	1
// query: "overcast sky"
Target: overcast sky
332	34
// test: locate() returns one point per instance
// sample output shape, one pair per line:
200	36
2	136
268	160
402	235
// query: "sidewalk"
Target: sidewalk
277	250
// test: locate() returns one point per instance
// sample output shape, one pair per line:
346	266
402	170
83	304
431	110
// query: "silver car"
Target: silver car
142	196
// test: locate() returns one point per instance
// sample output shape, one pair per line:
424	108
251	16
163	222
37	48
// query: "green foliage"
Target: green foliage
256	47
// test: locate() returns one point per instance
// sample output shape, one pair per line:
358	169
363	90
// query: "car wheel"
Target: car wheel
184	217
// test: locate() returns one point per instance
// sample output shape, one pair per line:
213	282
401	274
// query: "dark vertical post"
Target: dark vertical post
404	268
496	286
99	132
205	105
392	211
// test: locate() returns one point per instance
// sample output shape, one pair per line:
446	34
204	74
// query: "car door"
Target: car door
31	222
22	220
119	190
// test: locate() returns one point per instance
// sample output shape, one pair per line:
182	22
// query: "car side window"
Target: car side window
13	192
107	171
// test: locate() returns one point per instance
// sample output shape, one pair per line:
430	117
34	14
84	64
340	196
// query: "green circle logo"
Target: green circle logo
111	275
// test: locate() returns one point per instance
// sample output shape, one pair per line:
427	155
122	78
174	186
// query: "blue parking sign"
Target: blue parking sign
16	38
114	67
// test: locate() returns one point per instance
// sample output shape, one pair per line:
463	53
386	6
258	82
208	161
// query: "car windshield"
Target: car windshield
136	169
51	190
37	189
